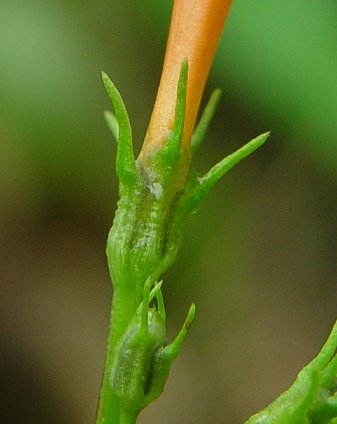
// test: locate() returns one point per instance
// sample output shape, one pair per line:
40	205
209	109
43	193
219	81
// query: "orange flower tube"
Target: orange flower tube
195	30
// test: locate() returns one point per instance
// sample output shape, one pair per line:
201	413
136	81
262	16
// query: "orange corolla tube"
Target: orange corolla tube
195	30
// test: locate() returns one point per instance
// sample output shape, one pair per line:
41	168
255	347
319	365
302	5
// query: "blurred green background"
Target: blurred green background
259	259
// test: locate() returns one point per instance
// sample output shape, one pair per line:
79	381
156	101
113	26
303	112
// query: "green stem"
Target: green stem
108	407
123	308
126	418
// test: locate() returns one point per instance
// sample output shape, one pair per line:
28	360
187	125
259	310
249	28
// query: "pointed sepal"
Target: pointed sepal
125	161
112	123
207	181
206	117
172	350
172	149
160	303
164	358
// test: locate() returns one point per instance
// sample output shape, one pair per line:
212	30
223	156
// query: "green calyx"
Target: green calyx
142	359
157	193
312	399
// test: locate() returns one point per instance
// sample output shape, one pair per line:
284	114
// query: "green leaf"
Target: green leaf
311	399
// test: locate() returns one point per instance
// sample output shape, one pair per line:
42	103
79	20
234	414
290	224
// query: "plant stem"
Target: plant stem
126	418
123	307
108	407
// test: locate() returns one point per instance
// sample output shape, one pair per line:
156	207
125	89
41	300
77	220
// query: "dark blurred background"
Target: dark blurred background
259	258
